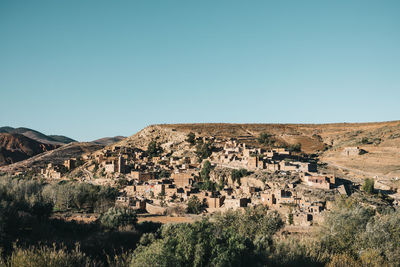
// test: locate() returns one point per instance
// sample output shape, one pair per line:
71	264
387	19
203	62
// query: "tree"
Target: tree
164	174
154	149
65	196
266	139
253	223
191	138
205	171
237	174
122	182
208	185
290	218
82	195
197	244
105	198
342	226
194	205
231	239
294	148
117	217
380	241
205	177
369	186
203	150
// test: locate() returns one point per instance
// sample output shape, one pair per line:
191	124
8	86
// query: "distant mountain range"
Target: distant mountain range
38	136
17	144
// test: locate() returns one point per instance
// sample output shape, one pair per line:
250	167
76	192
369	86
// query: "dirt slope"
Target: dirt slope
109	140
17	147
56	156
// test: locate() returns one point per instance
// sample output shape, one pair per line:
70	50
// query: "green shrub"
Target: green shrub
191	138
207	184
237	174
232	240
368	185
154	149
266	139
203	150
118	217
47	256
365	141
294	148
164	174
194	205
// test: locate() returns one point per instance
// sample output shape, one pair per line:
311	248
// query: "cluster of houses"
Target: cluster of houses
149	189
238	155
51	171
136	164
155	183
56	171
284	199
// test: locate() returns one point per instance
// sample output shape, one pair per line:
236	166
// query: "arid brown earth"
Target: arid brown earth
56	156
108	140
381	140
17	147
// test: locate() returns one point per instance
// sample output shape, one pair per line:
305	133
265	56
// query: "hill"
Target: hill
56	156
108	140
380	139
62	139
38	136
17	147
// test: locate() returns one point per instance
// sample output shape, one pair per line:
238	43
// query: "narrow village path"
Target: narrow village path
357	171
248	132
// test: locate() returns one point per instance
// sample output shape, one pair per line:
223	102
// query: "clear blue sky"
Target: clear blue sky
89	69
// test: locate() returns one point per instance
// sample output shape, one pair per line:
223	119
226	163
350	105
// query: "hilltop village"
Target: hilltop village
211	175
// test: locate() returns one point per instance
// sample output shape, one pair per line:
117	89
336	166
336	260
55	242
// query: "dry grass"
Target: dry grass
165	219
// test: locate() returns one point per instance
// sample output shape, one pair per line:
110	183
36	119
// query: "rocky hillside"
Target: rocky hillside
174	135
56	156
381	140
17	147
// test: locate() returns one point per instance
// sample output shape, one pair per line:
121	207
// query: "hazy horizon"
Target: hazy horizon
94	69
